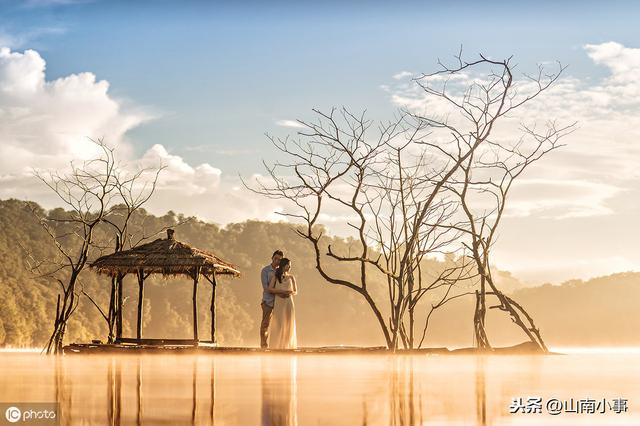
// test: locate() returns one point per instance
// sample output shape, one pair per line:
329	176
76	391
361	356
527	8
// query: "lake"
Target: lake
581	387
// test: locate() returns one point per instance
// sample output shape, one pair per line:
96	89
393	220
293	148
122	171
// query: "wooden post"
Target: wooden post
196	272
140	301
113	301
119	291
113	307
213	307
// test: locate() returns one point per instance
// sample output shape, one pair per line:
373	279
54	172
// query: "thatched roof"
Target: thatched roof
166	256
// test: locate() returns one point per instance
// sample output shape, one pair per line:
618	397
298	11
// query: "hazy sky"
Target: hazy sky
197	85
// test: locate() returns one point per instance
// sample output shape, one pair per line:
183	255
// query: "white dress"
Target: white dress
282	333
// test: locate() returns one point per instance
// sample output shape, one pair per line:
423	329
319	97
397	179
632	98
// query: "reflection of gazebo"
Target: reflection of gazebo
167	257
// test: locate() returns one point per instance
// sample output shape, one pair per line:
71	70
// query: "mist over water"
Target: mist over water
290	389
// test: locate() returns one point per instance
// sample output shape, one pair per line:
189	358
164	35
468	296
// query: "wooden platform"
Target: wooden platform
126	346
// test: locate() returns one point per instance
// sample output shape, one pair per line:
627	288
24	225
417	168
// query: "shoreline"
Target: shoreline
526	348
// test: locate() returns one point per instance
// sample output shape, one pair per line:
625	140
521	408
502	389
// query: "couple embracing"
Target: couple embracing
278	327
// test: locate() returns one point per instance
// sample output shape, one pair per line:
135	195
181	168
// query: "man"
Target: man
268	295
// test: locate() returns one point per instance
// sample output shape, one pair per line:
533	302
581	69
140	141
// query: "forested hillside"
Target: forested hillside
598	312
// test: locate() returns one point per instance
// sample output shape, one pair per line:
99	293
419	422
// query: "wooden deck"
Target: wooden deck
127	346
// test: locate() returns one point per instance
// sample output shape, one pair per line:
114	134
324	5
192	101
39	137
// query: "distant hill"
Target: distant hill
602	311
599	312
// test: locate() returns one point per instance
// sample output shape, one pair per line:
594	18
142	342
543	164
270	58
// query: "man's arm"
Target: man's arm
273	290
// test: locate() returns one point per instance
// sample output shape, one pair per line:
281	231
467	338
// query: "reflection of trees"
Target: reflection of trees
403	398
62	391
279	391
481	391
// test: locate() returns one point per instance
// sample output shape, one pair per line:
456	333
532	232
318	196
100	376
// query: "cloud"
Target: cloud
228	152
18	39
202	191
46	124
289	123
402	74
7	40
561	199
603	151
624	62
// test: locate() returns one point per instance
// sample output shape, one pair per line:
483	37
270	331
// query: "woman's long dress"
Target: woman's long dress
283	321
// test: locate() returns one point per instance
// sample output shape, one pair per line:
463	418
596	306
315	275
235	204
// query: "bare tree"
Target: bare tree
88	191
483	194
476	104
102	199
384	186
399	188
133	191
395	201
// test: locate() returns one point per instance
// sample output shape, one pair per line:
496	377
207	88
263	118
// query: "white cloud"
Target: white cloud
289	123
624	62
402	74
560	199
203	192
7	39
228	152
602	153
21	38
46	124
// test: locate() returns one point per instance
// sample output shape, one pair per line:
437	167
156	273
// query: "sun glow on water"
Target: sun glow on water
596	349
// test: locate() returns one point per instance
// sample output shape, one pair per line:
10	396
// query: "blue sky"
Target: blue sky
222	73
198	84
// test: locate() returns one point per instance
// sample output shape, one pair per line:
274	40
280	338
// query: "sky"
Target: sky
196	85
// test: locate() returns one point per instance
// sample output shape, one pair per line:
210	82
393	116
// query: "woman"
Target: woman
283	322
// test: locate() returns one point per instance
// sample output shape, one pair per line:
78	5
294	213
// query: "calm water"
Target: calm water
253	389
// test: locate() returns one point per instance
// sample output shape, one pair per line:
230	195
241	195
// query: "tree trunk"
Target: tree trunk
482	342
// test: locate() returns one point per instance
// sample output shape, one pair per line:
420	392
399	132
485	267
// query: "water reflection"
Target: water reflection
63	391
481	391
139	391
212	384
114	393
279	391
405	404
307	389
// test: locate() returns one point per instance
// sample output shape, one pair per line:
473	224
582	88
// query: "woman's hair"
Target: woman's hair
283	262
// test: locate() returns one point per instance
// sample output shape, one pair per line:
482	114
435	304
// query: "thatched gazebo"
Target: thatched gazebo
167	257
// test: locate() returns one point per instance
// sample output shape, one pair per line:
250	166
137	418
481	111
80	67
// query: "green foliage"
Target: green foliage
29	301
600	311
